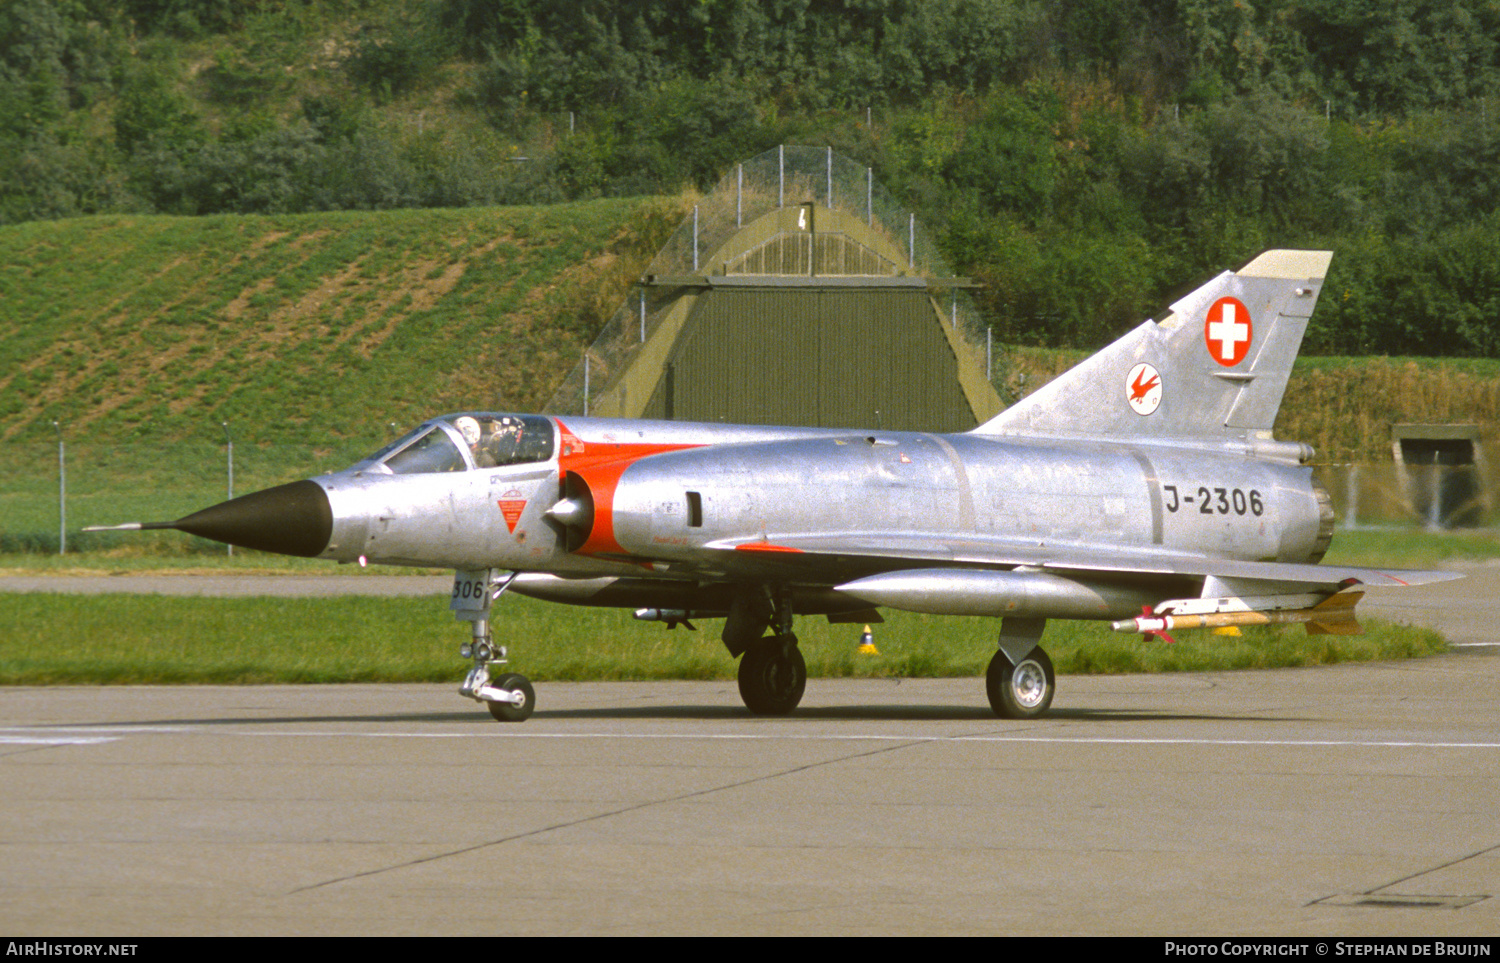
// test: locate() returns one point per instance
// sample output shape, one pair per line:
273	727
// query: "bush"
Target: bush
391	66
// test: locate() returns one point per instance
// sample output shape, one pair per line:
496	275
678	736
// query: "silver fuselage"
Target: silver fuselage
657	502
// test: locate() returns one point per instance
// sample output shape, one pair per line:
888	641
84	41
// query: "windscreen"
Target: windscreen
432	452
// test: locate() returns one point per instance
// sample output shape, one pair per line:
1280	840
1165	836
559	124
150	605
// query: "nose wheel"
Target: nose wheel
508	696
522	699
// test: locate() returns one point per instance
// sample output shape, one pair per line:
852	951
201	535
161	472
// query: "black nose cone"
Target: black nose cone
293	519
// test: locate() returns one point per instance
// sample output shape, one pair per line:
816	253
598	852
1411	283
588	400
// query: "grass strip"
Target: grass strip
151	639
1412	547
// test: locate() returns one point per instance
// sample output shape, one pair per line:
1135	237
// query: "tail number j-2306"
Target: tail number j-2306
1216	501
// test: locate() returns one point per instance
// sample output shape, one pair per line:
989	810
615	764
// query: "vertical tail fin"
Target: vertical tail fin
1215	368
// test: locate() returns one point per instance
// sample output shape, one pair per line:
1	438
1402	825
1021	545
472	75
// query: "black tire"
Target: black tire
1021	690
773	676
504	711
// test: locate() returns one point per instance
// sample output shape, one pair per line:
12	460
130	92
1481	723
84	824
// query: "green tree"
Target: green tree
154	112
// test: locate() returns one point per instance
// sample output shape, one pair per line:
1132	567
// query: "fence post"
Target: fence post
229	459
830	178
870	196
62	491
1351	498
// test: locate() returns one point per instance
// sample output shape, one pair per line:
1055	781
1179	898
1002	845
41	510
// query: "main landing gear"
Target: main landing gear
509	697
773	675
1020	681
1020	690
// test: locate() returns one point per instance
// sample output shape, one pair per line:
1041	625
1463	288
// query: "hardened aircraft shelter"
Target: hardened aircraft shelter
796	293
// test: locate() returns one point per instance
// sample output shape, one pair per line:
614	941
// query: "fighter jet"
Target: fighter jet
1143	487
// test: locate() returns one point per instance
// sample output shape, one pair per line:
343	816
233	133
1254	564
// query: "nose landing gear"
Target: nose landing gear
509	697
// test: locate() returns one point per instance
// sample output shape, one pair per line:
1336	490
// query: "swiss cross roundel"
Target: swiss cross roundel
1227	331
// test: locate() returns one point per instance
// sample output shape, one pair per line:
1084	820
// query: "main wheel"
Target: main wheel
1020	690
507	712
773	676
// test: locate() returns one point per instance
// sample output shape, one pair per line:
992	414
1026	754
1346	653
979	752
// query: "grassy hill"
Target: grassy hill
335	324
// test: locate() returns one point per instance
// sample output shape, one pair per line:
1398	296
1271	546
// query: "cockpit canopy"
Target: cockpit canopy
469	439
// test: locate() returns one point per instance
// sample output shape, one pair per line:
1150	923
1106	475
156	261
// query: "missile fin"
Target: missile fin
1335	615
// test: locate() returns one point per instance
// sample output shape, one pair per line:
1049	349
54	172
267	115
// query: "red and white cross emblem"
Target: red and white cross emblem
1227	331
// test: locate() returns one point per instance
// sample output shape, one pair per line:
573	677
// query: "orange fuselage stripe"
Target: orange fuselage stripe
600	465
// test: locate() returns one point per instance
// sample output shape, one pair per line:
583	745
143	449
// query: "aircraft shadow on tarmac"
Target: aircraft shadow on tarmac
878	713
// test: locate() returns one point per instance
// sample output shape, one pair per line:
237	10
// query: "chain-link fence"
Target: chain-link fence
49	491
777	179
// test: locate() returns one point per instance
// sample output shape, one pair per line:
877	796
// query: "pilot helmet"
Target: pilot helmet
469	428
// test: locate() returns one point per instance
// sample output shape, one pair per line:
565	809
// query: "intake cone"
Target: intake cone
293	519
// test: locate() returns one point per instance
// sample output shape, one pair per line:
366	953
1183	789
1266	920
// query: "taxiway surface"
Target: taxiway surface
1335	801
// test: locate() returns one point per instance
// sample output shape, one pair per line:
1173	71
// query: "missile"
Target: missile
662	615
1333	616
